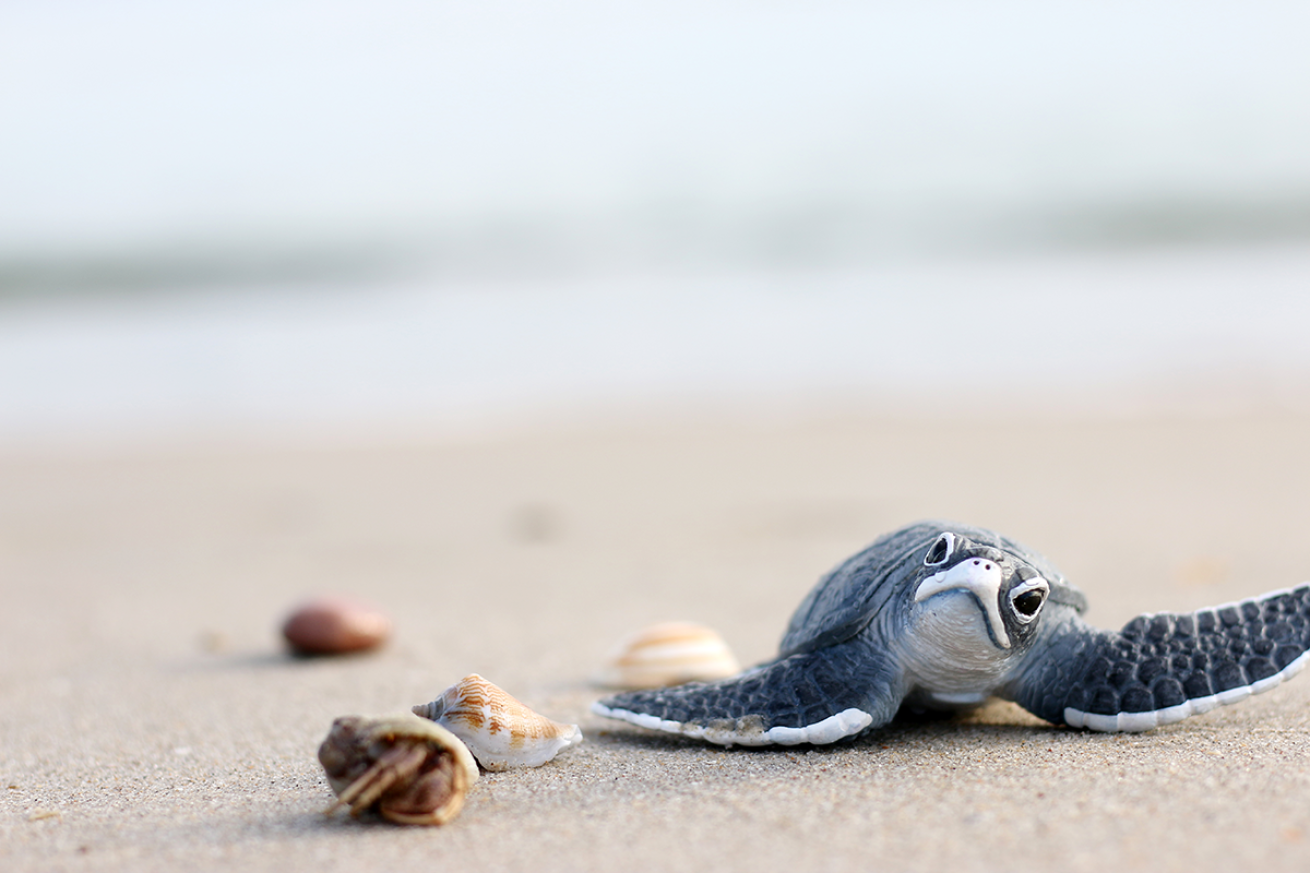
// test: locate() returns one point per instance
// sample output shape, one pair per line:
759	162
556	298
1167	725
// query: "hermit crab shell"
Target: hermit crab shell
500	731
670	653
405	769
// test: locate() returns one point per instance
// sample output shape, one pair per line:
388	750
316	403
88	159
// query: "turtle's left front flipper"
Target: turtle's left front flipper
816	697
1165	667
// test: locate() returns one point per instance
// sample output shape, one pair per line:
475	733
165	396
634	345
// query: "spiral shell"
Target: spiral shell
670	653
500	731
405	769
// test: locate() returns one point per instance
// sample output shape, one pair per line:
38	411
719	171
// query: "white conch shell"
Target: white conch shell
669	654
500	731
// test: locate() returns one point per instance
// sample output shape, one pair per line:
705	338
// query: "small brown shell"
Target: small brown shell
407	770
500	731
670	653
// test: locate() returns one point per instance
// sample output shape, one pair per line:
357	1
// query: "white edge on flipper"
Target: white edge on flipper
1133	722
833	728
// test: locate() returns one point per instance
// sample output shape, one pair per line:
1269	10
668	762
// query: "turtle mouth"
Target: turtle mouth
982	578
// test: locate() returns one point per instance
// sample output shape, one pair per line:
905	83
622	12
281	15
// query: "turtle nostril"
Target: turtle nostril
987	566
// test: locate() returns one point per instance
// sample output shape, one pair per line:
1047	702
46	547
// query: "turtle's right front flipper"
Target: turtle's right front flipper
1165	667
819	697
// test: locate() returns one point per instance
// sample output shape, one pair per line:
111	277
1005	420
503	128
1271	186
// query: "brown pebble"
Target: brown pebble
335	625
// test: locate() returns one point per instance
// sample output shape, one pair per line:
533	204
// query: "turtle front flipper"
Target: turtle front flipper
1165	667
818	698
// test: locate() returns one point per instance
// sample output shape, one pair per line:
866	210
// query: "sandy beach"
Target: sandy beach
150	718
537	325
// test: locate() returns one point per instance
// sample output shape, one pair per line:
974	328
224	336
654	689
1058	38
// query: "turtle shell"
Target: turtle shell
844	602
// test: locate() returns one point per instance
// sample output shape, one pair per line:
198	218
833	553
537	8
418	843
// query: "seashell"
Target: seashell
407	770
670	653
500	731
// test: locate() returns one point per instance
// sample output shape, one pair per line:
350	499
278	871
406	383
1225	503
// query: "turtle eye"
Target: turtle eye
940	551
1029	597
1028	603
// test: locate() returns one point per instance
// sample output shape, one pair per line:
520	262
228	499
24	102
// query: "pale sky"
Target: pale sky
139	122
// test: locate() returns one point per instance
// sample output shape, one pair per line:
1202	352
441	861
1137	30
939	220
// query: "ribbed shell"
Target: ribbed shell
499	730
670	653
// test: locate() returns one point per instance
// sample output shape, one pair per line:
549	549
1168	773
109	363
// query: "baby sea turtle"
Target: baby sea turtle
943	616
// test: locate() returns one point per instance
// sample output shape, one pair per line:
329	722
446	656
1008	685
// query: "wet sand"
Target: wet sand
150	718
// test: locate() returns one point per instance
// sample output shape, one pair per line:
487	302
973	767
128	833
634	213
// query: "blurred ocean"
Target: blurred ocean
338	215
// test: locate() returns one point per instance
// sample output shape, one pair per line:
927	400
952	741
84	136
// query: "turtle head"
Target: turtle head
1009	592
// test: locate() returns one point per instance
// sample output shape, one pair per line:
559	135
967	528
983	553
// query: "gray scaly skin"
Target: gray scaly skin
943	616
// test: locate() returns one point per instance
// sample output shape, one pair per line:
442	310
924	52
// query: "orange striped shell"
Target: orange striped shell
499	730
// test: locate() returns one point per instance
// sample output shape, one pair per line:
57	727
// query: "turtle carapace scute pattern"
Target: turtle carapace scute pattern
943	616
